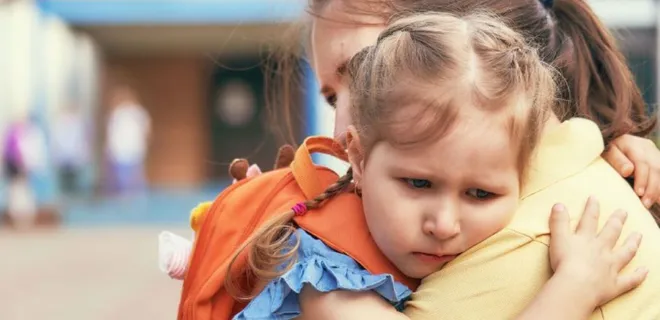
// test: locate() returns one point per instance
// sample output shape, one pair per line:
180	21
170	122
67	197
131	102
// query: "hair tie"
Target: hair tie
299	209
547	3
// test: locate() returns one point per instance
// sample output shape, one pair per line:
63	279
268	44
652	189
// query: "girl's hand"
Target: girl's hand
630	154
587	260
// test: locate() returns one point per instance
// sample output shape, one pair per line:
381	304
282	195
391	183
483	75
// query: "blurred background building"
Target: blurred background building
126	114
129	112
194	70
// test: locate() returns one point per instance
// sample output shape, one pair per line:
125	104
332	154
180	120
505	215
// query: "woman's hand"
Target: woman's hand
630	155
588	259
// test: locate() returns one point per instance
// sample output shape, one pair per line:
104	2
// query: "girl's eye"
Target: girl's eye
479	194
418	183
331	99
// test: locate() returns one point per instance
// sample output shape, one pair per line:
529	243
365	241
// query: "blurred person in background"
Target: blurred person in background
71	148
128	132
24	151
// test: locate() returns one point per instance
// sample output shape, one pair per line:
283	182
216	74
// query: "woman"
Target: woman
599	86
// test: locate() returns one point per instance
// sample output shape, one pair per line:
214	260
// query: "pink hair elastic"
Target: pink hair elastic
299	209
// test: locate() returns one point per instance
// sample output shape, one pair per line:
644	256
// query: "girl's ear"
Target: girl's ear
355	154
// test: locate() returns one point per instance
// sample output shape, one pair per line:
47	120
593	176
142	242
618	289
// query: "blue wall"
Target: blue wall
118	12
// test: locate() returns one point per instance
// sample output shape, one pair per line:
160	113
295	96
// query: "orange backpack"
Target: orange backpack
240	209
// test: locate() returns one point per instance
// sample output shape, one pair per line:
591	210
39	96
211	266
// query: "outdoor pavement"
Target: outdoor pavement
85	273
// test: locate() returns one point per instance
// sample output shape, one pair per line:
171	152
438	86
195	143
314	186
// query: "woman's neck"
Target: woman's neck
550	124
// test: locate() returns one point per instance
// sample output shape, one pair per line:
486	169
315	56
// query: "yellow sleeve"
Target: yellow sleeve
495	280
499	277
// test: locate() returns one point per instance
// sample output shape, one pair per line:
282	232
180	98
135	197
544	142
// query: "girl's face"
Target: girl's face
426	204
335	39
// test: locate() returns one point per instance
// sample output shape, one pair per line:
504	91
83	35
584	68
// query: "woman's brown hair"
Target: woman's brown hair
570	37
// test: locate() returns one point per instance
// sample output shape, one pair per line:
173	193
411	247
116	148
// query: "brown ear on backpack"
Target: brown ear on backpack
284	156
238	169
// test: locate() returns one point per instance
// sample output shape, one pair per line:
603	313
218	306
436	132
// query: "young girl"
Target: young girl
447	112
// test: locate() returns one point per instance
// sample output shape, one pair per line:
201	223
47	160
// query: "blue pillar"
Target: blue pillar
311	100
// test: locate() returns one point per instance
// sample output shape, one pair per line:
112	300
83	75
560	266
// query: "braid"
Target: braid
341	185
273	247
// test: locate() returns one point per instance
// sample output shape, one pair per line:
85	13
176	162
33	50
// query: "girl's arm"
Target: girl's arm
587	266
343	304
587	274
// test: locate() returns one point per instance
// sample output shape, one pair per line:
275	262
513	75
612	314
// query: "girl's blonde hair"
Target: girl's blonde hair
439	61
271	250
442	64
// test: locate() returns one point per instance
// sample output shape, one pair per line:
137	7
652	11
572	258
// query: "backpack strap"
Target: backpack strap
303	168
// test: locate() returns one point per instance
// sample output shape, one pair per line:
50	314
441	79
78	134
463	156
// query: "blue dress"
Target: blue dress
326	270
